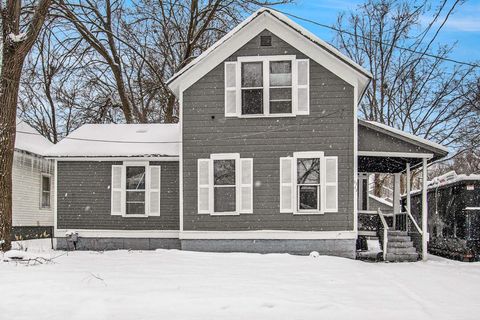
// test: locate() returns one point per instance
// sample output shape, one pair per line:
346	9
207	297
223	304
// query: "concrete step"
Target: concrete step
406	250
369	255
398	238
404	257
397	233
399	244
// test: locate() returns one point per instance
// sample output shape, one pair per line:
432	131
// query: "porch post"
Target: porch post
424	211
407	189
396	197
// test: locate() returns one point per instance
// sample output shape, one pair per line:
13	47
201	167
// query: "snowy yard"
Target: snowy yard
189	285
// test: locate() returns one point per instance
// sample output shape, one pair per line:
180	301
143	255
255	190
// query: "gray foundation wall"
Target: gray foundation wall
342	248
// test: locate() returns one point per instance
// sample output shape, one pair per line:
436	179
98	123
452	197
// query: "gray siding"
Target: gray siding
84	198
373	140
328	128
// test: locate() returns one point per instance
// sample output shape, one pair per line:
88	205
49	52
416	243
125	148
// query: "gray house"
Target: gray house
265	158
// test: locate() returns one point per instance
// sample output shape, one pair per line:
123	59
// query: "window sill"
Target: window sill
263	116
135	216
308	213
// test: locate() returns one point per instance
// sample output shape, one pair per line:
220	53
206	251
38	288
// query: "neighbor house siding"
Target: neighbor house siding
26	180
84	198
328	128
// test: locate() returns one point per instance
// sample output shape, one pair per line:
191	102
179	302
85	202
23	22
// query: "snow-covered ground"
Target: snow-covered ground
171	284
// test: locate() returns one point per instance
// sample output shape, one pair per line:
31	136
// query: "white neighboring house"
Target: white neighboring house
33	179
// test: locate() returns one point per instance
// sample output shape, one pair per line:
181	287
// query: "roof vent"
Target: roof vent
265	41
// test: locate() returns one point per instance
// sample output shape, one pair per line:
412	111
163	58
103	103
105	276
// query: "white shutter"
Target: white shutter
231	89
205	186
246	186
117	187
303	86
287	199
331	184
154	190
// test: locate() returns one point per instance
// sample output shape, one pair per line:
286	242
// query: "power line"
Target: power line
379	41
241	136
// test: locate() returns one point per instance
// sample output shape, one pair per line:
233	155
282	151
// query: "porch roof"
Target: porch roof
385	149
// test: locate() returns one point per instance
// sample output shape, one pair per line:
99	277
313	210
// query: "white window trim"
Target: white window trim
225	156
266	85
146	165
44	174
309	154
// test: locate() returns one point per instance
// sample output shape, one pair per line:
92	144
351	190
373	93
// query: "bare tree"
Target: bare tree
20	28
413	87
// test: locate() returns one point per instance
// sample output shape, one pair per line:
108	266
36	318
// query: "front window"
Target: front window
135	190
45	192
270	97
224	185
308	184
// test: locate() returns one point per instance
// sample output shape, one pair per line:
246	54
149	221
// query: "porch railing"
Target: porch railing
385	233
401	221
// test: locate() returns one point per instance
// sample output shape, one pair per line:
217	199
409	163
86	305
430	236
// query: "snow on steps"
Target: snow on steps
400	247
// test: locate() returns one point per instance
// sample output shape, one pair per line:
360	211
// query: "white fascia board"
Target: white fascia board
244	32
91	233
395	154
407	135
114	158
267	235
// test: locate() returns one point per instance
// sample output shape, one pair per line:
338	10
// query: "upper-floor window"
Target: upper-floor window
266	86
45	191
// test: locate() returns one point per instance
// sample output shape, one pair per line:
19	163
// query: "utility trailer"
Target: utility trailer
453	215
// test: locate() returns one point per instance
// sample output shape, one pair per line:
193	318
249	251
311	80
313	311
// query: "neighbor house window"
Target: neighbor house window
309	183
267	86
135	190
45	192
225	184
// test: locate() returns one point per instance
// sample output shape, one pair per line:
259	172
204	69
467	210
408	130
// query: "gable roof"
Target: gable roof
30	140
289	31
120	140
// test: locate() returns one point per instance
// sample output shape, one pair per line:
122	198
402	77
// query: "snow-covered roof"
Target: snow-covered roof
407	135
381	200
120	140
324	49
28	139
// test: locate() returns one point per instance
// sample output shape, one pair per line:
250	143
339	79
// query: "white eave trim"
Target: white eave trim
395	154
267	235
132	158
90	233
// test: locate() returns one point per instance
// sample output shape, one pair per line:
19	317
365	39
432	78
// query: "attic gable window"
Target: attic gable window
266	86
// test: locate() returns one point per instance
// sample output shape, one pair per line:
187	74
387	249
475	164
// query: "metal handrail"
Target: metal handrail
385	233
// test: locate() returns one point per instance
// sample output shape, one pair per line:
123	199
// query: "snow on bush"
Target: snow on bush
15	254
314	254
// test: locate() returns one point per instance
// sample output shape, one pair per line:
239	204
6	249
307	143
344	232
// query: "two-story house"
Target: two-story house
265	158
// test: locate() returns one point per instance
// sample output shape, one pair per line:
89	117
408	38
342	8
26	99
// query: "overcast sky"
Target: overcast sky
463	26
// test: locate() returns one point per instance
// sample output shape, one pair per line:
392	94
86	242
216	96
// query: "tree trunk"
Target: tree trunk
169	118
10	80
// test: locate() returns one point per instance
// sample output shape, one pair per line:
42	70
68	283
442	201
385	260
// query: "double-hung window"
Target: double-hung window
135	189
225	184
45	191
266	86
308	183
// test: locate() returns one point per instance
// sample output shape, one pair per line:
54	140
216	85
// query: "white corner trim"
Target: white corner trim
180	165
395	154
91	233
267	235
55	192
